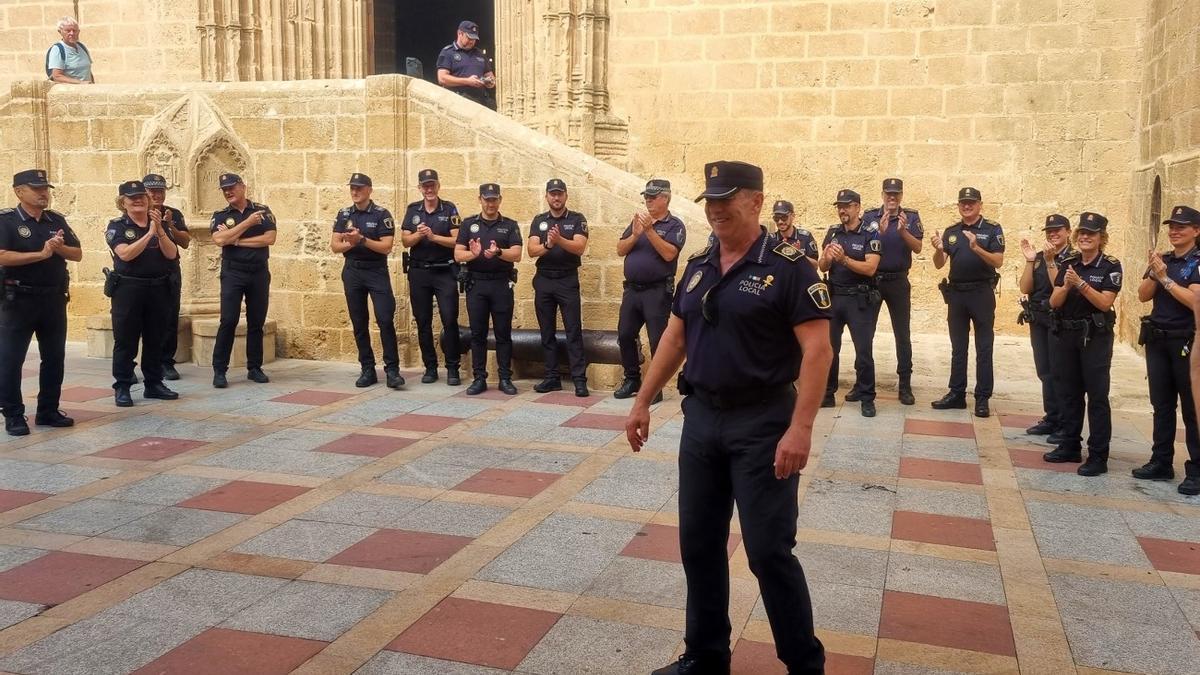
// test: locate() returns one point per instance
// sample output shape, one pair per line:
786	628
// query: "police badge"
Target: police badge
694	281
130	234
230	222
416	220
24	231
474	228
543	226
953	239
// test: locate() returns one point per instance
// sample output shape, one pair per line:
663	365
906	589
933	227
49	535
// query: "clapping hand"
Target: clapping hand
1158	268
1027	250
553	236
936	240
423	231
476	247
641	220
492	250
970	237
1072	278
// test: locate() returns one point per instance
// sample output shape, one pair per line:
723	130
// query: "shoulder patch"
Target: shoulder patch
875	247
701	253
819	293
786	250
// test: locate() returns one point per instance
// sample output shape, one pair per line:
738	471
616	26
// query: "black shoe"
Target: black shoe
1094	466
906	395
257	375
828	401
950	401
1154	470
628	388
169	372
219	380
16	425
366	378
1056	438
1061	455
506	387
452	377
54	419
159	390
1042	428
394	379
658	398
981	408
430	376
122	398
477	387
691	665
548	384
853	396
1190	486
868	408
581	389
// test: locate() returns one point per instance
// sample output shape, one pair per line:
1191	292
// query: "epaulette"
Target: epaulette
416	203
6	211
1072	256
787	250
908	210
344	212
1110	259
801	230
701	253
114	221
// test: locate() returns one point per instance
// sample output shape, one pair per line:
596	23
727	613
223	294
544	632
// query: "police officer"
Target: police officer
245	231
1036	284
465	70
784	215
490	244
363	233
1168	335
430	230
850	255
745	308
1085	288
557	239
172	220
974	246
35	245
650	246
900	236
142	262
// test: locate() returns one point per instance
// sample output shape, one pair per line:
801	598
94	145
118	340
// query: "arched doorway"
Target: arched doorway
408	32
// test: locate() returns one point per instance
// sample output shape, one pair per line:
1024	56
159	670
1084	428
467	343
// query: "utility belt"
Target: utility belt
669	282
144	282
1035	313
466	283
14	288
1151	333
947	287
1083	330
868	296
367	264
731	399
557	274
243	267
891	276
407	263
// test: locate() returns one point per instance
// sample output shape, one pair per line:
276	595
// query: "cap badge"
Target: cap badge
713	173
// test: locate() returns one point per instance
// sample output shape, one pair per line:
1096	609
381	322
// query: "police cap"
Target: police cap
723	178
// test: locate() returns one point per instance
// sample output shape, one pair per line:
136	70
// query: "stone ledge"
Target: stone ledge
100	338
204	336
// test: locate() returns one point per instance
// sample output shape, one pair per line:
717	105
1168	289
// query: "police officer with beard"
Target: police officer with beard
784	215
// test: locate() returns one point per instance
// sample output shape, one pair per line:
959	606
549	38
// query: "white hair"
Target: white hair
67	21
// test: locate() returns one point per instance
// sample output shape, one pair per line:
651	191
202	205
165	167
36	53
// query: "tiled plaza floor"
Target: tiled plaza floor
307	525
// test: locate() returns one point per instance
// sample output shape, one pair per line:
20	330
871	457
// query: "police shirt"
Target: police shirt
748	339
857	244
1166	312
177	224
644	265
897	256
803	240
229	217
152	263
441	222
504	231
374	222
21	233
463	62
569	225
1042	287
965	265
1102	274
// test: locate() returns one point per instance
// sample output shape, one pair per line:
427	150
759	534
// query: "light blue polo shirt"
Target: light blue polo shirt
77	63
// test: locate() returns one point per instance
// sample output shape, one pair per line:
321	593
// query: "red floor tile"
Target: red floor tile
59	576
150	448
758	658
80	416
508	482
569	398
959	624
1019	421
482	633
1031	458
661	542
220	651
312	397
947	530
82	394
1168	555
401	551
246	497
412	422
366	445
594	421
15	499
937	469
936	428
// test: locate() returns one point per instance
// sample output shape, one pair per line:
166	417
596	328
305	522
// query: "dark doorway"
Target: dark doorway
418	29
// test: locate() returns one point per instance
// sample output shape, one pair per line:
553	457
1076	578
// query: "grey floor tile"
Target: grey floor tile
279	460
272	411
397	663
456	407
456	518
1123	601
176	526
423	473
375	411
1164	525
848	507
564	553
893	668
205	596
477	456
1073	543
12	612
1132	647
627	494
831	563
942	502
838	607
12	556
360	508
578	644
1050	514
305	540
649	582
587	438
313	611
296	439
48	478
89	517
545	461
949	449
1189	602
164	490
954	579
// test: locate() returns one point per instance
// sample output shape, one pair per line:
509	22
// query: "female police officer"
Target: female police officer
1036	284
142	254
1085	288
1167	334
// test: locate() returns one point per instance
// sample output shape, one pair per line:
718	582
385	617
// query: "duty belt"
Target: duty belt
850	290
489	276
244	267
1152	333
366	264
731	399
970	285
556	274
26	289
426	265
145	281
638	286
891	276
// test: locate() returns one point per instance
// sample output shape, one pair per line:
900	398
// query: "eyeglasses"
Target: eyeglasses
780	217
708	307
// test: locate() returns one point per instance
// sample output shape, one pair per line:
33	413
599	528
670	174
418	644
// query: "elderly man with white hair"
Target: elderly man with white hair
68	60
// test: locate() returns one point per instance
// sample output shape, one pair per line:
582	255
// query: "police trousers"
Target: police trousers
373	282
897	295
490	298
550	296
424	285
860	315
648	306
255	288
44	316
170	343
966	309
1082	374
1170	382
1039	339
727	457
139	315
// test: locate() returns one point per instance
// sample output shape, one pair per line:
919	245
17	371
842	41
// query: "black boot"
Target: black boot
219	380
159	390
1056	437
1042	428
868	408
548	384
453	379
122	398
1063	454
394	379
257	375
828	401
981	408
507	387
906	393
853	396
693	665
1154	470
430	376
169	372
628	388
1095	465
367	377
477	387
581	389
950	401
54	419
1190	486
16	425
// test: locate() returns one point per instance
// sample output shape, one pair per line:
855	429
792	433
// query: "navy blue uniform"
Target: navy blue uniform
244	275
556	288
465	63
742	358
490	293
971	303
171	334
431	275
33	301
891	279
1040	327
856	306
1168	338
140	303
365	275
646	298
